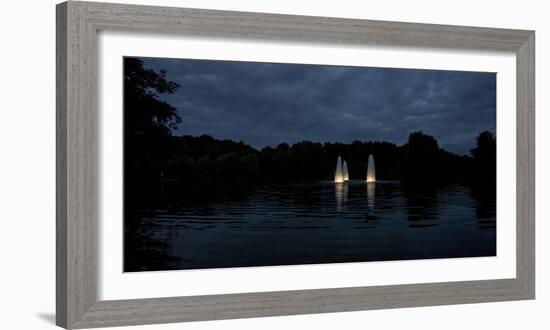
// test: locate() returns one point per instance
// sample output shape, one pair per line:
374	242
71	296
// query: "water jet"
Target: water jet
345	171
338	174
371	172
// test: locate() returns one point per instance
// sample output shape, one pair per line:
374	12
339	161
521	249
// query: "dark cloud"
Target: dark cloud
264	104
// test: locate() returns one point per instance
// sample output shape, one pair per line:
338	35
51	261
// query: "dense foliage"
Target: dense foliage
420	159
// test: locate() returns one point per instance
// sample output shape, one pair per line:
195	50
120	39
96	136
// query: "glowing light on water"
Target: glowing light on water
345	173
341	194
371	191
371	172
339	175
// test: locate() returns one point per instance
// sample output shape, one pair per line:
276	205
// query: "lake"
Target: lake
236	225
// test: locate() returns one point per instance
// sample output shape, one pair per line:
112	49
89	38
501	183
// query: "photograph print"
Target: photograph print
241	164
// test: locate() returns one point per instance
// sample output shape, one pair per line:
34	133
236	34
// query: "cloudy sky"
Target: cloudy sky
267	104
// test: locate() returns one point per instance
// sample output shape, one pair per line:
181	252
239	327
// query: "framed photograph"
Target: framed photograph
216	164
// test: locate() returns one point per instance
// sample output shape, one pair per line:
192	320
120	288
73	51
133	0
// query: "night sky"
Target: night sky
267	104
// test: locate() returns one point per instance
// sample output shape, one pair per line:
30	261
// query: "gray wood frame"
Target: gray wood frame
77	149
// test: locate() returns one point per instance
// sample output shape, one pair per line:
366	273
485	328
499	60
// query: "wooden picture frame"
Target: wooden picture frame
78	24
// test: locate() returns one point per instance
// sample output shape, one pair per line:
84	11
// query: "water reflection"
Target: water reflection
298	223
341	193
371	190
370	216
422	204
155	246
485	206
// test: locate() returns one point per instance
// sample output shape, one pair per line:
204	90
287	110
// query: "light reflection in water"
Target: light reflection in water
371	191
341	193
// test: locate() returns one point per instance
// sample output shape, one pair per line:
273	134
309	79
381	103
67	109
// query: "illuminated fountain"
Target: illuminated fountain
345	171
371	186
371	173
339	174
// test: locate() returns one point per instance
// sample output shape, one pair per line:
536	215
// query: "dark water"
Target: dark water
302	223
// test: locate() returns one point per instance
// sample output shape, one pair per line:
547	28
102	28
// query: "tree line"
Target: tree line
420	159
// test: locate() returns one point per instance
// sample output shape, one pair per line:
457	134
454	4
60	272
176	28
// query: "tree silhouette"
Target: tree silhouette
421	158
144	112
485	157
148	120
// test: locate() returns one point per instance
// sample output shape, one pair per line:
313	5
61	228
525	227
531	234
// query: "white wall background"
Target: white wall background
27	163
